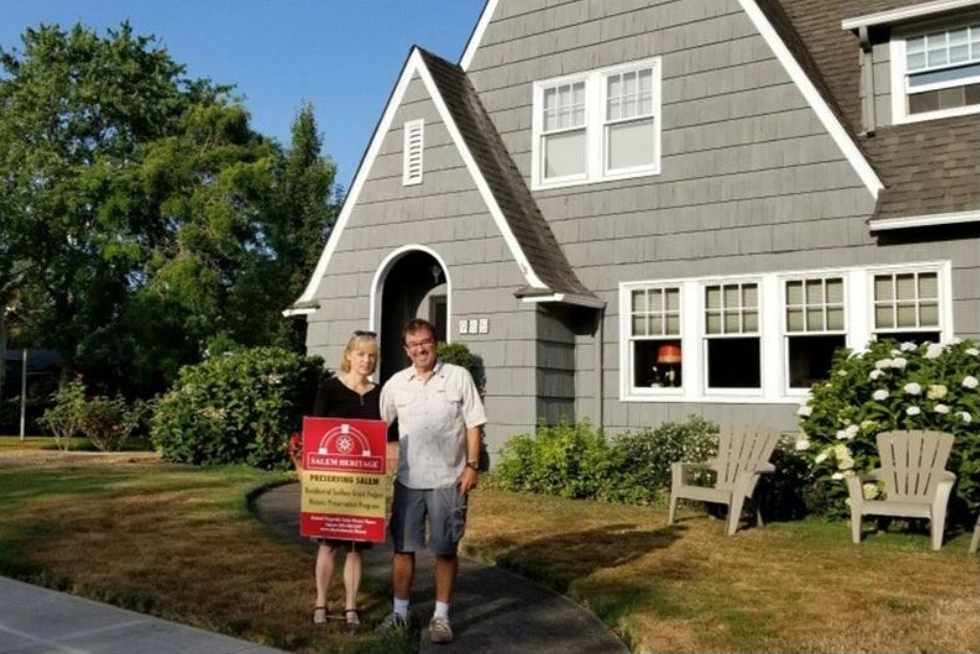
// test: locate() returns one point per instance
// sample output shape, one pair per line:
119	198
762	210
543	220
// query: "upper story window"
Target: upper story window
597	126
936	71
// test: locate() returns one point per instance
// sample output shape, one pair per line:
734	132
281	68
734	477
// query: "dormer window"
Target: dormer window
935	71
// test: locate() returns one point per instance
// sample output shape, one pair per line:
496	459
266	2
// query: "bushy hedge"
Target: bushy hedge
886	387
578	461
239	406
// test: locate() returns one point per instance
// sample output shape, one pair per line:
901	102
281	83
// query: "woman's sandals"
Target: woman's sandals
353	620
321	615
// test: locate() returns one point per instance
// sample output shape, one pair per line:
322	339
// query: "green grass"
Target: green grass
174	541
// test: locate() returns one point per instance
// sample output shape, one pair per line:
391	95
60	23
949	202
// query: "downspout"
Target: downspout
869	117
600	392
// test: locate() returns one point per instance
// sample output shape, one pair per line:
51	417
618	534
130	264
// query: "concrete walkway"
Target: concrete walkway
36	620
493	611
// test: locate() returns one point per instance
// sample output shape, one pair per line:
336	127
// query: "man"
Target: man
439	416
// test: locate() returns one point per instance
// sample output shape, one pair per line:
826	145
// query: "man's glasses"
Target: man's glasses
358	332
414	345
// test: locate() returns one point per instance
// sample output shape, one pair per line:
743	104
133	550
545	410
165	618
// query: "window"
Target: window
768	337
563	132
412	152
655	344
732	336
601	125
630	137
815	328
937	72
906	306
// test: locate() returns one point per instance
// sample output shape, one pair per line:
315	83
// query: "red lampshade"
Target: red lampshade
669	353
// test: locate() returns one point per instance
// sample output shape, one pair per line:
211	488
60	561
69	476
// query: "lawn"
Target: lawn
799	586
173	541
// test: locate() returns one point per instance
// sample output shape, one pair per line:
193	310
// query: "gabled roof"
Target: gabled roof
547	272
509	190
928	167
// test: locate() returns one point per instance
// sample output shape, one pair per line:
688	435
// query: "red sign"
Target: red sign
344	488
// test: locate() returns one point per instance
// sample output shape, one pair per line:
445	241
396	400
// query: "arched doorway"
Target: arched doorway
412	282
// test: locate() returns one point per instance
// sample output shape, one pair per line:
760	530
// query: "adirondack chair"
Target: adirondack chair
743	455
975	541
917	485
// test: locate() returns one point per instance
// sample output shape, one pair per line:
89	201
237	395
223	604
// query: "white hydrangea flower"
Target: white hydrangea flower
868	425
934	350
881	364
842	373
875	374
937	392
837	476
841	434
895	353
913	411
956	340
880	395
804	410
870	491
802	444
907	346
941	408
820	458
970	382
899	363
972	351
912	388
852	431
966	417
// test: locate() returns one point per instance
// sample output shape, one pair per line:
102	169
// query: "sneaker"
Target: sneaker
394	622
439	630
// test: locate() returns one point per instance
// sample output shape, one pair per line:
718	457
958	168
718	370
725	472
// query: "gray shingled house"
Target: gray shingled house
636	210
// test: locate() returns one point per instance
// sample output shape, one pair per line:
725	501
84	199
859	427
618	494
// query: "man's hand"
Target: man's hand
467	480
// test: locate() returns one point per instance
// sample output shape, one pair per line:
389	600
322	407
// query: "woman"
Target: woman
348	395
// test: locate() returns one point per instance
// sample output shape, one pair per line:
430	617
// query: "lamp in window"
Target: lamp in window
669	355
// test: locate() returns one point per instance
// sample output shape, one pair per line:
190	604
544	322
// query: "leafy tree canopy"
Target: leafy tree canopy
142	217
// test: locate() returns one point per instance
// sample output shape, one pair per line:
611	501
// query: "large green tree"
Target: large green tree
143	219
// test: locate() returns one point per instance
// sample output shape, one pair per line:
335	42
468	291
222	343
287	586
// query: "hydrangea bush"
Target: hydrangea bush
892	386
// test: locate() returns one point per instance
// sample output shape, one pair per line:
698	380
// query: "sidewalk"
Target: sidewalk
36	620
494	611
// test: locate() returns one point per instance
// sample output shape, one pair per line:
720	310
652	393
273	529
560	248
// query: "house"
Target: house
638	210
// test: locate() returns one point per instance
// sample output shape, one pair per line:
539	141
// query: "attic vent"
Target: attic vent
414	139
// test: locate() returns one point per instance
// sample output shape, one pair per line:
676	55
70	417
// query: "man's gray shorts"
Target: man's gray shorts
445	509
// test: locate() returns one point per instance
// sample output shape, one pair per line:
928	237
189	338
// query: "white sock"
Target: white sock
442	610
401	607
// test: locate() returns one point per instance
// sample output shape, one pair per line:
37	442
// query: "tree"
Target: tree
143	219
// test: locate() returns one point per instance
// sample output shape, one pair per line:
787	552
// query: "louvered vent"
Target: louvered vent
414	143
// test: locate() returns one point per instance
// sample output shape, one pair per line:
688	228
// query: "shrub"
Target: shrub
639	463
108	423
575	460
886	387
239	406
568	460
459	354
62	419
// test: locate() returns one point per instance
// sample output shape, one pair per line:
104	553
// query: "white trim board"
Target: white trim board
814	99
882	224
413	65
905	13
375	307
477	36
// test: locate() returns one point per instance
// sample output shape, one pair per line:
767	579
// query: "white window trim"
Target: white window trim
945	300
408	179
595	126
704	336
858	317
785	335
652	391
896	56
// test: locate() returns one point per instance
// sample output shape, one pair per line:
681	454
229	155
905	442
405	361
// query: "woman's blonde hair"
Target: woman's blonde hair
360	340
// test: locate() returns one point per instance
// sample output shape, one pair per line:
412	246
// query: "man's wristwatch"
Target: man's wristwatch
473	465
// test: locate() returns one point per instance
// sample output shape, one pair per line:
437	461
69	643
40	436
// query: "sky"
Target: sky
344	56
